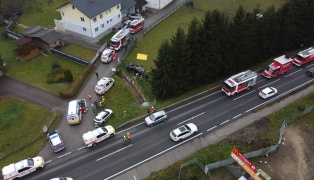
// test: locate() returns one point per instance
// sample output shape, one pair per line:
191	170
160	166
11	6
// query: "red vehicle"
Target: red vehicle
239	82
136	25
120	39
279	66
304	57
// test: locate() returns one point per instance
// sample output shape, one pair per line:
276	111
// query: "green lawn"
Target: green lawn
79	51
20	123
41	13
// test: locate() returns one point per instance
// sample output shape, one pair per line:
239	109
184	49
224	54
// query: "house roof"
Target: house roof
47	35
22	41
92	8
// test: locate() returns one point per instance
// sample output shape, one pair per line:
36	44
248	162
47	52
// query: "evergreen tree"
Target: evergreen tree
68	75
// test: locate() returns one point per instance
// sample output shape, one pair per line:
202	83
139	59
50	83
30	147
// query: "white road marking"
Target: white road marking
81	148
224	122
309	65
270	83
192	118
243	95
211	128
130	128
293	73
152	157
64	155
46	162
237	116
114	152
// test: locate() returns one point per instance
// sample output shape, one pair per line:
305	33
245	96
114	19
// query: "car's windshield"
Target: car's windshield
226	86
300	58
187	127
270	69
152	117
114	42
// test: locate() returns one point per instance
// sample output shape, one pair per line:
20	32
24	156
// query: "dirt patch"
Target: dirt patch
132	88
293	160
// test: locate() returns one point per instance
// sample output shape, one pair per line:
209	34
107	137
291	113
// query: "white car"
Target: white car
268	92
91	138
102	117
55	140
183	132
108	55
135	16
62	178
103	85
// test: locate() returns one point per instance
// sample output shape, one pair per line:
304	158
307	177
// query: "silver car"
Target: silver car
156	117
55	140
183	132
268	92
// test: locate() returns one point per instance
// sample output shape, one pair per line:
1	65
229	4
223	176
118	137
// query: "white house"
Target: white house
157	4
92	19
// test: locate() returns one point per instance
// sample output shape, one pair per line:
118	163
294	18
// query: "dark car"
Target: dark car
136	69
310	72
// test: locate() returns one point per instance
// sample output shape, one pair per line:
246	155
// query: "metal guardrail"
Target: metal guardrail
69	56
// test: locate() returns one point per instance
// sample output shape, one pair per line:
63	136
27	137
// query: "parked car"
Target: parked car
310	72
268	92
136	69
183	132
55	140
157	117
135	16
125	23
62	178
102	117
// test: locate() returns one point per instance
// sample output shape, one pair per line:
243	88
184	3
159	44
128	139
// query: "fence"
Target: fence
69	56
29	142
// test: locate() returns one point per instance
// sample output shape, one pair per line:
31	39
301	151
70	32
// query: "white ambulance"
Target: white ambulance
76	109
22	168
103	85
91	138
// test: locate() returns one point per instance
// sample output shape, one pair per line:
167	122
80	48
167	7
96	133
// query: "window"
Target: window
82	19
62	13
73	7
110	20
107	22
84	29
119	16
106	12
101	16
109	10
118	6
102	25
96	29
95	19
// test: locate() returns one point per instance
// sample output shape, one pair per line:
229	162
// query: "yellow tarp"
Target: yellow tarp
141	56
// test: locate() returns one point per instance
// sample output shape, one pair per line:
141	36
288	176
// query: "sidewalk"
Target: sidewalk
164	160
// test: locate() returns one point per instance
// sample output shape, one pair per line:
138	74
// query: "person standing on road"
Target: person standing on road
96	74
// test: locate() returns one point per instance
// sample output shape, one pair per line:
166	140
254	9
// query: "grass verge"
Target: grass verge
79	51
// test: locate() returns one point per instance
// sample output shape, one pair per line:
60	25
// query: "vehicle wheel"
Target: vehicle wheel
15	178
165	119
94	145
248	88
151	125
111	135
39	168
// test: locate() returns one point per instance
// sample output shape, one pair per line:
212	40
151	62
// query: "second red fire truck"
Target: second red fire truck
304	57
136	25
239	82
120	39
279	66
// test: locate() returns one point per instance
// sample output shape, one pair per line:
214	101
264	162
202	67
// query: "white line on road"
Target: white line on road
293	73
309	65
81	148
211	128
48	161
64	155
237	116
270	83
243	95
130	128
114	152
192	118
152	157
224	122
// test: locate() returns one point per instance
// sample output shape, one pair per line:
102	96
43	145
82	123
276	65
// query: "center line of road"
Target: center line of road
81	148
211	128
64	155
293	73
114	152
192	118
224	122
270	83
243	95
152	157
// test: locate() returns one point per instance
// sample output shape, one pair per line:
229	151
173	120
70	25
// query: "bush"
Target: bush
76	85
55	76
68	75
55	65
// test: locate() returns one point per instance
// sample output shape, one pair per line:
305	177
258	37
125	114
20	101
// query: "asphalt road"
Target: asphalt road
110	158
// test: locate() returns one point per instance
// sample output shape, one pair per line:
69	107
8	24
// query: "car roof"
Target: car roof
158	113
267	90
103	81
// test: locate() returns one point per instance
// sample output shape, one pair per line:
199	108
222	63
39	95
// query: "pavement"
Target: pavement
165	158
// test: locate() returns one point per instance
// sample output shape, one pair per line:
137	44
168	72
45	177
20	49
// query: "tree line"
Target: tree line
218	46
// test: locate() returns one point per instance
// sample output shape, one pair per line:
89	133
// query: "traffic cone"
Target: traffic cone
193	118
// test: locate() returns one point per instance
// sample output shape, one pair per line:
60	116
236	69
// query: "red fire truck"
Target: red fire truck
239	82
304	57
120	39
136	25
279	66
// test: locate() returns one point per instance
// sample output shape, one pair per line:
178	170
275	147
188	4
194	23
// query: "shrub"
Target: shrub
55	76
55	65
68	75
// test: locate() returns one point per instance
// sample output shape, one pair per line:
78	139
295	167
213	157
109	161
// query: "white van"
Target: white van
76	109
103	85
